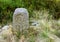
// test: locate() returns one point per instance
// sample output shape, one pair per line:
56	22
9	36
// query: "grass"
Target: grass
42	32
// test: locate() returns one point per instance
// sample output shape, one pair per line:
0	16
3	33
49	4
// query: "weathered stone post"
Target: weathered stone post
20	20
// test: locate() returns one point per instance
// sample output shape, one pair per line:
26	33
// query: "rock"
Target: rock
35	24
6	27
6	34
20	19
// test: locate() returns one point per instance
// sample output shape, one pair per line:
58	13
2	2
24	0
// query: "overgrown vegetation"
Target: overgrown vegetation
7	8
45	12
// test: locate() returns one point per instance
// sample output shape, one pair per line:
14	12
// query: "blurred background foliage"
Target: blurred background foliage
7	8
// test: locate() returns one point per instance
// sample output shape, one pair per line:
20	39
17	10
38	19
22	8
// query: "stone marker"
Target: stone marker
20	19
